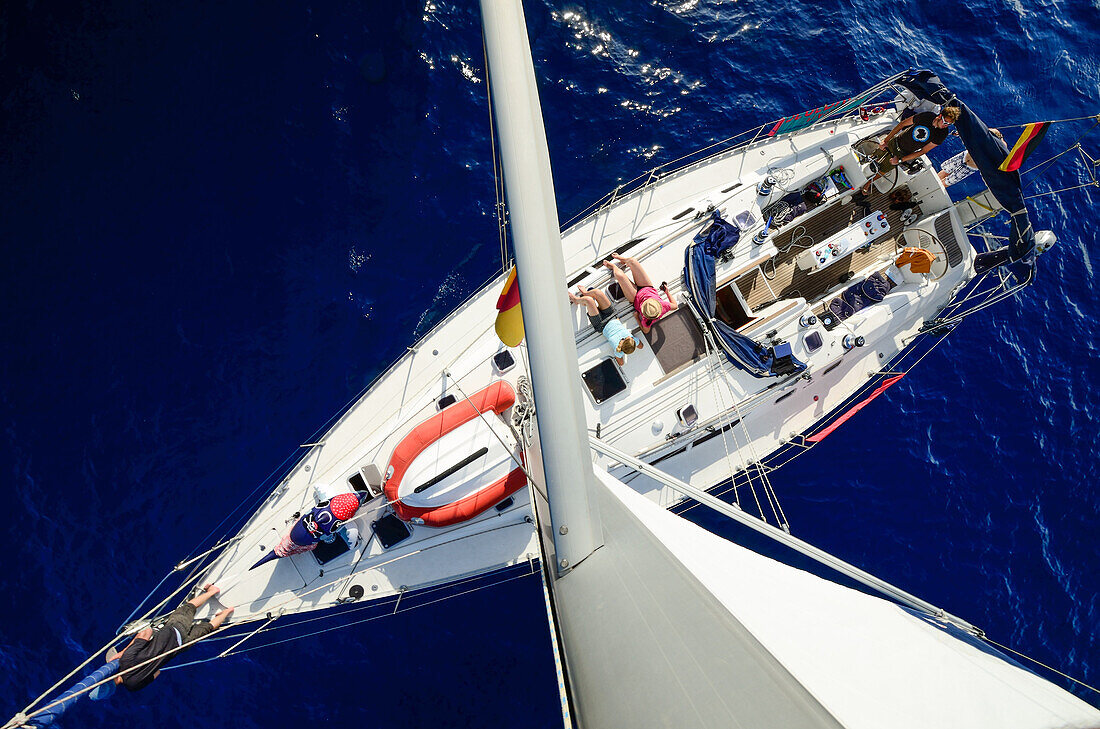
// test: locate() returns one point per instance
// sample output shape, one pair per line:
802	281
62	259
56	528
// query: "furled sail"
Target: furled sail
700	280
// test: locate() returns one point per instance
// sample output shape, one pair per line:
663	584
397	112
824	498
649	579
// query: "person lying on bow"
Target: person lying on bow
179	631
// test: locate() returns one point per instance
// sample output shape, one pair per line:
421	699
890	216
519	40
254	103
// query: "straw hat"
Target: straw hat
651	308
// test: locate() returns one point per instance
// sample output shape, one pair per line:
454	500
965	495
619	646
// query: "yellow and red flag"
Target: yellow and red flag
509	324
1025	145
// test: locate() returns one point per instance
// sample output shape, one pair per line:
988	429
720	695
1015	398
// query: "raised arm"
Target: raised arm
671	301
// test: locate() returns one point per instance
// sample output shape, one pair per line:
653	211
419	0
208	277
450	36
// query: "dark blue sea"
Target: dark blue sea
221	221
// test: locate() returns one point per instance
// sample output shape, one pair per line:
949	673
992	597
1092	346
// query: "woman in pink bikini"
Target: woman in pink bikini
648	304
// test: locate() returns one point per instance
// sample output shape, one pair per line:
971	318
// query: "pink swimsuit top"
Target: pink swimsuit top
648	292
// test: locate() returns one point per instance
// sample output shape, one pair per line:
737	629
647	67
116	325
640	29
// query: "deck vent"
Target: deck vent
504	361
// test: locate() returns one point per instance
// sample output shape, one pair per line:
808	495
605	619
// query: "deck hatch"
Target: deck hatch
676	339
604	381
390	530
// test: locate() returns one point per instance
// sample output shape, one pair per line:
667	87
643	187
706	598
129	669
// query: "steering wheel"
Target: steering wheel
865	150
933	245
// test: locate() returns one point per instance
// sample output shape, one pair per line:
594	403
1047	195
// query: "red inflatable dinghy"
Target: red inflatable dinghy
453	466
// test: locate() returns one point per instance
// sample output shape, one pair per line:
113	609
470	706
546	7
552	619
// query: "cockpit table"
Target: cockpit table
857	235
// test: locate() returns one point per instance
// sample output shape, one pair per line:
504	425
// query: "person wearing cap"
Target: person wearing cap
638	287
179	631
604	321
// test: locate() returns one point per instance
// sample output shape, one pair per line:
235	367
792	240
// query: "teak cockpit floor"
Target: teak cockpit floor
790	281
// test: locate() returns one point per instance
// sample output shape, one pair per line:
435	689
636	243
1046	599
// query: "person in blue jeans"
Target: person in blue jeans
604	321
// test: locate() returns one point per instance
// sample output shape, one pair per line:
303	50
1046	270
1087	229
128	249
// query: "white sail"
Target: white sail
786	648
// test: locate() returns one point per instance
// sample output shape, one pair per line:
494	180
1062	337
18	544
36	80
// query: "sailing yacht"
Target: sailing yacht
776	335
461	464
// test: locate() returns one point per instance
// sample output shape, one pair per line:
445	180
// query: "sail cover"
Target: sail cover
988	153
700	280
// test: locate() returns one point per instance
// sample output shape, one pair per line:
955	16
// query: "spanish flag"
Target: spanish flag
1025	145
509	324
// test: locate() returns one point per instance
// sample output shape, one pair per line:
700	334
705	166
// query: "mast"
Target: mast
551	347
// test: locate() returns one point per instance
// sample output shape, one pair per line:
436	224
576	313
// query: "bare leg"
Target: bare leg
628	287
587	302
641	278
598	294
877	155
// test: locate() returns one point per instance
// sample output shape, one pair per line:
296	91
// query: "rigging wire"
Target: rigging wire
1056	121
1076	144
498	183
380	602
1077	681
348	625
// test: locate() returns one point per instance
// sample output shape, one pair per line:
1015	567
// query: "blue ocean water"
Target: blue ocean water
220	223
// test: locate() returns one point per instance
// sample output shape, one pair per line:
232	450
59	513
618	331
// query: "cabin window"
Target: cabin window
812	341
604	381
504	361
390	530
687	415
